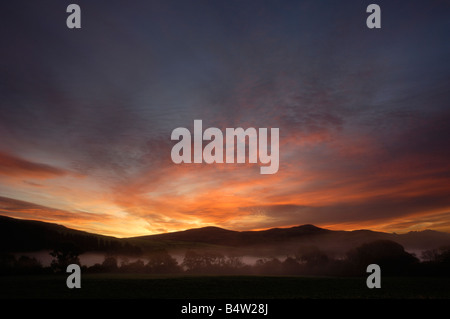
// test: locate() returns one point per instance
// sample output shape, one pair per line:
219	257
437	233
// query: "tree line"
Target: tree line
308	260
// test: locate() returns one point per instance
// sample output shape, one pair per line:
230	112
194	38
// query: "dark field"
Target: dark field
136	286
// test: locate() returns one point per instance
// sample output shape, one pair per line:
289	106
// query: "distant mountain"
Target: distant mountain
224	237
287	240
18	235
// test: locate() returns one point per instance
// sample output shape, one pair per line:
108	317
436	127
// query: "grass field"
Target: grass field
136	286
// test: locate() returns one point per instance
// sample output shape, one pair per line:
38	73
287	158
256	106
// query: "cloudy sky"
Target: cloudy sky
87	114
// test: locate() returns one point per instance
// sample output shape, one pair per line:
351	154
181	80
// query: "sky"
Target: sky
363	114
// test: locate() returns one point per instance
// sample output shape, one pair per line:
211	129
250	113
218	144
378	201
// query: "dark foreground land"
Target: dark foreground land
142	286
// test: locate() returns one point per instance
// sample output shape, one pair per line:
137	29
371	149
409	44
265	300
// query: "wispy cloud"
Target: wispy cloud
14	166
363	114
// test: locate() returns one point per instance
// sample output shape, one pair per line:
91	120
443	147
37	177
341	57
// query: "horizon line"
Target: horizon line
213	226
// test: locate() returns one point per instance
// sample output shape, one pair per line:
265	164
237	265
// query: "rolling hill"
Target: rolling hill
223	237
18	235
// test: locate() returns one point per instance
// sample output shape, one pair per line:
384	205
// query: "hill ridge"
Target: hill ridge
31	235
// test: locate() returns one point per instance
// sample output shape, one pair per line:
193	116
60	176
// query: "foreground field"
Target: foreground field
121	286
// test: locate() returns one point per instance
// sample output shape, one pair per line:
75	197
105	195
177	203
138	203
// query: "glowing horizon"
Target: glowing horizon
363	115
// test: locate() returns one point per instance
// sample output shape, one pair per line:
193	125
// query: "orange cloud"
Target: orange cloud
324	180
14	166
101	223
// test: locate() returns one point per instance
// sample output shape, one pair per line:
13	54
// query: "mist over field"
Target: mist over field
300	250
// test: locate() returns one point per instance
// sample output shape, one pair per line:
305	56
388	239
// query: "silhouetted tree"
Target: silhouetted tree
444	256
110	264
207	262
430	255
125	261
192	261
213	260
234	263
436	262
312	256
312	260
63	256
162	262
137	266
389	255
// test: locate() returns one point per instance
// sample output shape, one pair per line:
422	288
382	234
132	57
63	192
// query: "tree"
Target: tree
192	260
235	263
311	256
210	262
389	255
63	256
109	264
162	262
430	255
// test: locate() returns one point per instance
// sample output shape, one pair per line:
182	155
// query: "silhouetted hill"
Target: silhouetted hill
17	235
224	237
26	235
209	235
286	240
